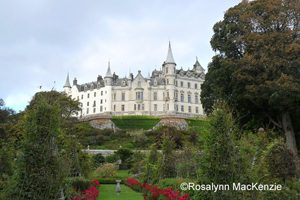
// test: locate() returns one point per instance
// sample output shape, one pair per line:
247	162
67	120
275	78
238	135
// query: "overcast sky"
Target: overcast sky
42	40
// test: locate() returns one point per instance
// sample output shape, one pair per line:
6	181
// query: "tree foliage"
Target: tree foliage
257	67
220	163
38	171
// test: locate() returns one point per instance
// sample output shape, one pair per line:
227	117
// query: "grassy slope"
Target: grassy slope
135	122
107	192
200	125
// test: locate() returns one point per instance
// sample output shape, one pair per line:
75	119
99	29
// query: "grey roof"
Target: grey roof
197	66
108	72
67	84
170	58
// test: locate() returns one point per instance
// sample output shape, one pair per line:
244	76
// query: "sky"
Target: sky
43	40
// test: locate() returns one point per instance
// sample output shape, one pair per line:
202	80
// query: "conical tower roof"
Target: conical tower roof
170	58
67	84
197	65
108	72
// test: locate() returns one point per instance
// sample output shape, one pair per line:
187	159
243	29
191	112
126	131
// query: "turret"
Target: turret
169	66
67	86
108	77
75	81
197	67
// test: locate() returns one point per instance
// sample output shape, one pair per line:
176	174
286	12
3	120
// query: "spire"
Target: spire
197	66
197	62
170	58
67	84
108	72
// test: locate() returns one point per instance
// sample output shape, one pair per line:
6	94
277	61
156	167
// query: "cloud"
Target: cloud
43	40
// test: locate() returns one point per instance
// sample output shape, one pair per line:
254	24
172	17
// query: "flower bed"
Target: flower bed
152	192
90	193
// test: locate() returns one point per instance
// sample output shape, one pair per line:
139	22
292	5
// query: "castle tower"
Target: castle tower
197	67
67	86
108	77
169	71
108	81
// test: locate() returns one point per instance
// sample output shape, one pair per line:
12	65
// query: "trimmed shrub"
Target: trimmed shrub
106	170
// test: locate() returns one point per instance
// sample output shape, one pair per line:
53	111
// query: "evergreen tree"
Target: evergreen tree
219	165
38	174
167	167
150	174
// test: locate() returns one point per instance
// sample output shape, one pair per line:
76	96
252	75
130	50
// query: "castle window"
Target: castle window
155	96
190	109
196	99
101	101
123	96
82	96
94	110
167	70
139	106
94	94
94	103
176	83
182	108
114	96
143	107
182	97
114	107
189	99
176	108
88	95
167	81
176	95
134	106
87	103
87	111
101	93
139	96
196	85
155	107
123	107
101	108
197	110
189	85
181	83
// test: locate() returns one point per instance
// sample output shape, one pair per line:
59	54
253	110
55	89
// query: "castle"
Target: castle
167	92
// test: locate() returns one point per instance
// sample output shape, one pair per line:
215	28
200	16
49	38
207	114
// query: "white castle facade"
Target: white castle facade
167	92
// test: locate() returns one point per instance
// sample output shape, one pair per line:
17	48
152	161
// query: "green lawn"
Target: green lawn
201	125
135	122
107	192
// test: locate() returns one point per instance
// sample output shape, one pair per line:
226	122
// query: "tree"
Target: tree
150	174
38	168
167	167
257	68
220	160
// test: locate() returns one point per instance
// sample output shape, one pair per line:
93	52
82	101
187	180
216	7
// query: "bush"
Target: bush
126	157
74	185
106	170
98	160
112	158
